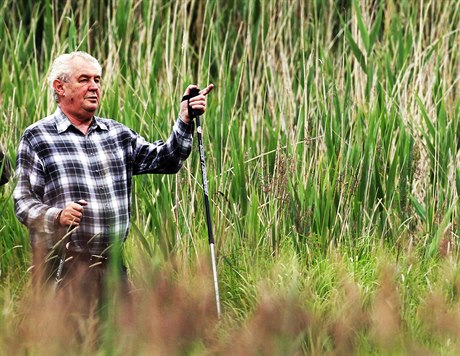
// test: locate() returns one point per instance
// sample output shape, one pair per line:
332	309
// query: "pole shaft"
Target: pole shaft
205	180
208	211
214	274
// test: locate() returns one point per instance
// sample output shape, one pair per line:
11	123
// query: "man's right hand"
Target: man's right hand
72	213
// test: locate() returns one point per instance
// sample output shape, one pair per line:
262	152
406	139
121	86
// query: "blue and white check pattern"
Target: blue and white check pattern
57	164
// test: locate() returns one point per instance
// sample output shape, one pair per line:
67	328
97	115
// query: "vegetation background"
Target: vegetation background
332	140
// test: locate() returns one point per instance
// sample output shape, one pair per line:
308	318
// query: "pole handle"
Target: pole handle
192	113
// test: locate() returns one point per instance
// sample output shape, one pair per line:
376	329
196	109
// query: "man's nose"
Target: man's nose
93	85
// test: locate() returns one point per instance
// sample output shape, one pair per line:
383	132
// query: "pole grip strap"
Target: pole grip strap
192	93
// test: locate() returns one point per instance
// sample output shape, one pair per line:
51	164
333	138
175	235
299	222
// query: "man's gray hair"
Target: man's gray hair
62	69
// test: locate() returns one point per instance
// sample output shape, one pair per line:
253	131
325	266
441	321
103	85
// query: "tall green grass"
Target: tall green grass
331	139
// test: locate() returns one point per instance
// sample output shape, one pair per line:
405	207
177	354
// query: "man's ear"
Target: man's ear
58	86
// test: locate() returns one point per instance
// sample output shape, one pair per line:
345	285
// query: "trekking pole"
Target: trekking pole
196	114
62	256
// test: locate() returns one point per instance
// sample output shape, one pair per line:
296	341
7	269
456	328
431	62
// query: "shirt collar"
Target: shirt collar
63	123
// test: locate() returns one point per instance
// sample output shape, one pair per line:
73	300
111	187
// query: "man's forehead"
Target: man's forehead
81	66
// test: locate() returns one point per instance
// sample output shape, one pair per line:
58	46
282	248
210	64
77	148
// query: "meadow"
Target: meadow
331	138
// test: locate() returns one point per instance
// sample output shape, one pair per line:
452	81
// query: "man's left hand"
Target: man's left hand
197	102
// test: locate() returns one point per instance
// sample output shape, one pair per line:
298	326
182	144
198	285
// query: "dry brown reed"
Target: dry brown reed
386	311
277	326
171	311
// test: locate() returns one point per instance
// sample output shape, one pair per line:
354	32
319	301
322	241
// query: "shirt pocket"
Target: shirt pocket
118	165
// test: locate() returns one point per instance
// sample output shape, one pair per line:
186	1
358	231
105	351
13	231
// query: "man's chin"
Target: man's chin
91	108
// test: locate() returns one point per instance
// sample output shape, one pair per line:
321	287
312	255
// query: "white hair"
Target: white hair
62	69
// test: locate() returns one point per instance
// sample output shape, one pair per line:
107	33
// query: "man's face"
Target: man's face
81	94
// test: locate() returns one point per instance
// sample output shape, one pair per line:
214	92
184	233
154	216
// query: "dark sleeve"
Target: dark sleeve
5	168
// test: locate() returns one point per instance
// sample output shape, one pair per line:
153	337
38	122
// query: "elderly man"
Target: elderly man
75	170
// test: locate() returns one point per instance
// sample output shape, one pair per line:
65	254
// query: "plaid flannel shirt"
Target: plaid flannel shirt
57	164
